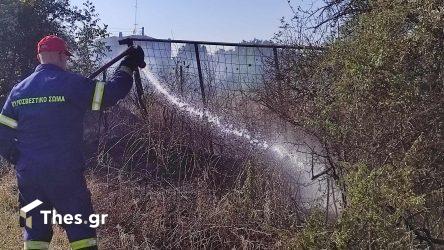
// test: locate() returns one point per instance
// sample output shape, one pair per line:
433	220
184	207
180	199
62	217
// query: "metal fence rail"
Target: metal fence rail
202	71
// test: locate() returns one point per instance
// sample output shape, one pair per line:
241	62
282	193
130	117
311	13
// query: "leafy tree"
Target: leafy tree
24	23
374	98
89	49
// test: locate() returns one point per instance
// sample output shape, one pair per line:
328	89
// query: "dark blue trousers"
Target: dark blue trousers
60	189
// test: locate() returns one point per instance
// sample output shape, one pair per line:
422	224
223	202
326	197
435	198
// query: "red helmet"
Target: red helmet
53	43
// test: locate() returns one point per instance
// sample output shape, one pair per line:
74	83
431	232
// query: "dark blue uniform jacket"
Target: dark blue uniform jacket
43	115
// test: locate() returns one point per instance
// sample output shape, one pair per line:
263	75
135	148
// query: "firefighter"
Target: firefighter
41	128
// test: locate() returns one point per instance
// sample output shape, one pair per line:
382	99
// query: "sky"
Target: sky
209	20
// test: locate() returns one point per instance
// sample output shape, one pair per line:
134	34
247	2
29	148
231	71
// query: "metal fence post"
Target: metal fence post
199	71
279	80
276	60
278	69
181	82
278	73
181	79
202	89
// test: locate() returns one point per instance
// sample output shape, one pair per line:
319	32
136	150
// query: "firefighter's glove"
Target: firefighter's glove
135	59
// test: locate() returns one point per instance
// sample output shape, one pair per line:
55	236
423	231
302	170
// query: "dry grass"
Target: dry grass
10	234
192	216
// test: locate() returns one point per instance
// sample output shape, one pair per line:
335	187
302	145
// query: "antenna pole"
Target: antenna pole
135	19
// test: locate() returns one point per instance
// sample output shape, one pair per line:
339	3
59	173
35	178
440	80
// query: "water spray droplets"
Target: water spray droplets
204	115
